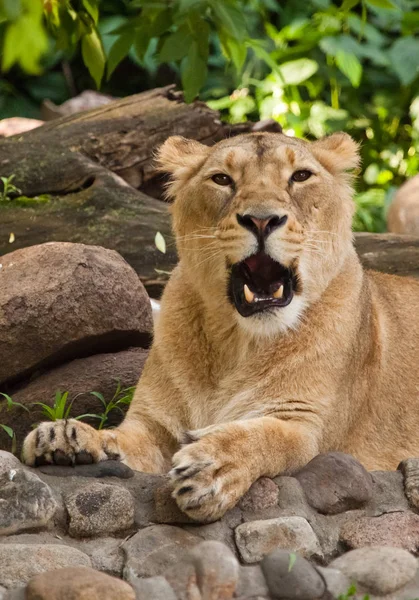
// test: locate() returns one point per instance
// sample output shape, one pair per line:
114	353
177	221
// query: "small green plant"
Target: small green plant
11	404
293	558
60	409
351	593
121	397
8	188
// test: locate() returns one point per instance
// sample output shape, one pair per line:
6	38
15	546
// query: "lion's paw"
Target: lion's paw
67	442
207	482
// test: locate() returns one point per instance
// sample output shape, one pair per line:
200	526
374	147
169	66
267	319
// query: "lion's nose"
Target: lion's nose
262	226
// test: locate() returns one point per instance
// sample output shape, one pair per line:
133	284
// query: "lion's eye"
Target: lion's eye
222	179
302	175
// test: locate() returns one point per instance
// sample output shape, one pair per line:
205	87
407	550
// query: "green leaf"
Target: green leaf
161	23
93	55
142	41
404	58
8	430
381	4
292	559
350	66
349	5
193	73
229	18
119	51
91	6
25	43
160	242
11	9
295	72
236	51
176	46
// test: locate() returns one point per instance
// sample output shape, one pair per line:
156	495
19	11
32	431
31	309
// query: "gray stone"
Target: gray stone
15	594
99	509
2	592
152	550
394	529
291	576
337	583
106	468
20	562
291	497
262	495
26	502
219	531
252	582
328	530
410	472
153	588
77	583
257	538
380	570
105	554
388	494
167	510
209	570
335	482
8	461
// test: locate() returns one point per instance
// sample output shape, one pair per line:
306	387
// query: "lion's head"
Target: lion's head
262	221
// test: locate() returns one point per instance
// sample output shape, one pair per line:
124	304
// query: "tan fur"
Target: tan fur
337	369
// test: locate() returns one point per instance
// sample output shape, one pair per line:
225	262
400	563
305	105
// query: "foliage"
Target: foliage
10	405
121	397
8	188
351	593
314	66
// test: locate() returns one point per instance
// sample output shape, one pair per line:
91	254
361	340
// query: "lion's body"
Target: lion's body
336	369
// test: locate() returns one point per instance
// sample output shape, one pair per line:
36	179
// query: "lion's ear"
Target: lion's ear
180	157
337	152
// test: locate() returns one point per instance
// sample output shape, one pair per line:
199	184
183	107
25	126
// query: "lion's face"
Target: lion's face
262	221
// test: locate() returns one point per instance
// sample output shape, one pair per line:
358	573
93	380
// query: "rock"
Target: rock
2	592
262	495
291	497
99	509
167	510
20	562
410	472
394	529
388	494
328	529
380	570
8	461
85	101
403	212
107	468
219	531
16	125
335	482
26	502
100	373
209	569
291	576
61	300
106	554
16	594
337	583
77	583
257	538
389	253
252	582
153	588
152	550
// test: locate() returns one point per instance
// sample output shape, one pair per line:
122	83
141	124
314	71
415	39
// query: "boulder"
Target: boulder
20	562
379	570
26	502
77	583
262	495
99	509
292	577
101	373
335	482
60	301
393	529
154	549
403	212
389	253
257	538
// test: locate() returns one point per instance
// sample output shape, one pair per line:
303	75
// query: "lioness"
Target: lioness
273	344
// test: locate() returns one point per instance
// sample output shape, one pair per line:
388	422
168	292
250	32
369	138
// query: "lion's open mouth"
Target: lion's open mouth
260	283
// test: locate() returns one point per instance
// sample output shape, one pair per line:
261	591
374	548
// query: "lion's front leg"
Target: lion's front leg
220	463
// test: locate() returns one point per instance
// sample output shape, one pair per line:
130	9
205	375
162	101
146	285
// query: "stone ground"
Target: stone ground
106	532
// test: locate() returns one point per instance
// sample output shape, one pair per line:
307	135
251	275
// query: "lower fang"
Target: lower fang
248	294
279	292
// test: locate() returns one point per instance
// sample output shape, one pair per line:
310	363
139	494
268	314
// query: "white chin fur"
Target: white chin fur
273	323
